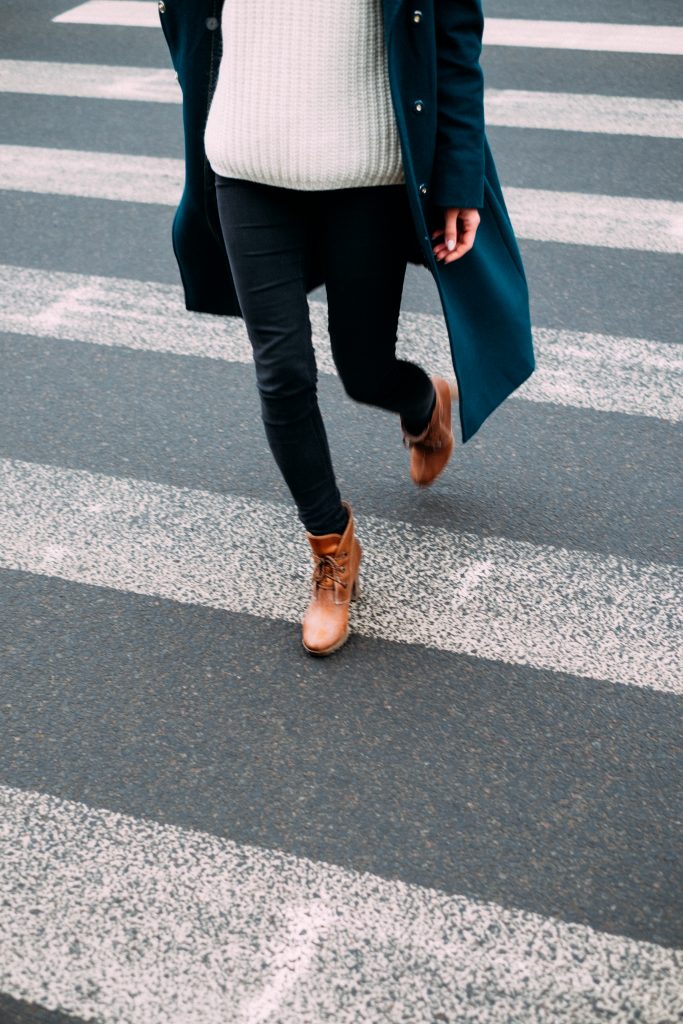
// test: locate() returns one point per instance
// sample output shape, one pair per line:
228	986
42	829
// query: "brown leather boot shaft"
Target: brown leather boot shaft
335	582
431	450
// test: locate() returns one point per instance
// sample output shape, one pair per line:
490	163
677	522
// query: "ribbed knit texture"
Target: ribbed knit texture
302	97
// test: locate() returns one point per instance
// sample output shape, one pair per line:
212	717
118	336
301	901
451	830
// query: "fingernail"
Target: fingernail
450	244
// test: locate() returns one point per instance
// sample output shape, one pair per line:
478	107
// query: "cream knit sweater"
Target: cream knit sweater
302	97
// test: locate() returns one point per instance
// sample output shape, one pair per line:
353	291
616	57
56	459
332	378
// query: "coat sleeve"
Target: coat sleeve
458	173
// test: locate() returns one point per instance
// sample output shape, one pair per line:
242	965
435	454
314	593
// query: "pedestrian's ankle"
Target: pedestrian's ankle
417	428
335	526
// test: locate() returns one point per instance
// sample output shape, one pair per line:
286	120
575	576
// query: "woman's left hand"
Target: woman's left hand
458	232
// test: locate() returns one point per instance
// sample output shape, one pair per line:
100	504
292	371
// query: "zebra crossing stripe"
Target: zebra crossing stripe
618	222
90	81
608	37
565	35
514	108
92	175
577	218
132	13
114	918
590	615
578	112
588	371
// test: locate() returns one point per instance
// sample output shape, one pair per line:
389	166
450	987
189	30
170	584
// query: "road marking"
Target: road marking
584	35
577	218
564	35
590	615
90	81
514	108
618	222
133	13
116	918
579	370
577	112
88	174
471	579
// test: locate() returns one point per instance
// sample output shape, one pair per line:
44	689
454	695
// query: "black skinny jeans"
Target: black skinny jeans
270	233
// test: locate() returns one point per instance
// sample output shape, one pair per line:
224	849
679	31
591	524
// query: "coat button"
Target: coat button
422	189
417	106
417	16
211	24
162	6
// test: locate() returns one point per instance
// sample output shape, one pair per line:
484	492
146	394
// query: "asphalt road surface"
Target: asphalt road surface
472	812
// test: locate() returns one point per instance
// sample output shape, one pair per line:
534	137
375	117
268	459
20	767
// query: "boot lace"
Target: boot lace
325	566
426	442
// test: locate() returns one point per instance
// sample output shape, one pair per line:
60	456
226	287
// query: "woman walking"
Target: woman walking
313	181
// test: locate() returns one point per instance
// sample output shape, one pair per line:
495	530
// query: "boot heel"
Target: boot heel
356	589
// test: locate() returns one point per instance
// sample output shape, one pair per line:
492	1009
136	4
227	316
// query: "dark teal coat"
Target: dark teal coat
433	57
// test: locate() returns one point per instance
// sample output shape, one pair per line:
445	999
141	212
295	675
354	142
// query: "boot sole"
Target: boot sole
329	650
427	483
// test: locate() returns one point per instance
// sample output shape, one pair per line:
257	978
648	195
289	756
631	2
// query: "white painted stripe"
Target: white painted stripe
621	222
110	917
515	108
584	35
565	35
586	371
90	81
88	174
590	615
133	13
607	373
578	112
617	222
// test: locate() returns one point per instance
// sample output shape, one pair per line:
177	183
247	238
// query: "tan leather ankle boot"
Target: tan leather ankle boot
335	582
431	450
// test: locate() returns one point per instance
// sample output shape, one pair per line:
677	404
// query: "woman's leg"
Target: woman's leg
267	232
364	231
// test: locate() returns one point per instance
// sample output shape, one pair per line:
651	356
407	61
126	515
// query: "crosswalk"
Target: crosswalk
129	13
92	879
513	108
573	218
600	617
119	919
632	376
555	34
